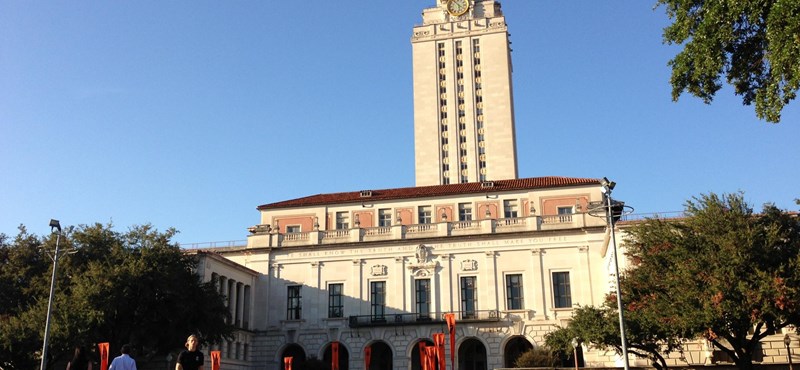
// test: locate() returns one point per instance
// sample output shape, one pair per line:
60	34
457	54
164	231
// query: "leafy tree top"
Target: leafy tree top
752	43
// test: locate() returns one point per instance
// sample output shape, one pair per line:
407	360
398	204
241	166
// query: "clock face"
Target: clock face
457	7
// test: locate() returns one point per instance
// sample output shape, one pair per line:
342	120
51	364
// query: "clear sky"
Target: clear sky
190	114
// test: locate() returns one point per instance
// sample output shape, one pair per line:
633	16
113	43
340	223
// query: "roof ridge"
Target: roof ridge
430	191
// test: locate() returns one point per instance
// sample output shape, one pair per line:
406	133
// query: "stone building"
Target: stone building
376	270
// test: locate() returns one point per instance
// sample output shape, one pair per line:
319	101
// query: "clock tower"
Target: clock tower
463	101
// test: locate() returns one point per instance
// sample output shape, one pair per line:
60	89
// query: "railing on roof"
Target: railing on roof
441	229
222	244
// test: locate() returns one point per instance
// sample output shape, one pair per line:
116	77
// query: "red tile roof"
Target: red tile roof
432	191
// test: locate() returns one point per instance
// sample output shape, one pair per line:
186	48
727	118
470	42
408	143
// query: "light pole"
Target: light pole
54	225
787	341
612	210
575	343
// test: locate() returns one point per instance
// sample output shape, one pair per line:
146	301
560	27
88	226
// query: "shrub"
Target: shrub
537	357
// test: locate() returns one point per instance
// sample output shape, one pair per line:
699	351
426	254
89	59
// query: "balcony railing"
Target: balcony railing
407	319
263	235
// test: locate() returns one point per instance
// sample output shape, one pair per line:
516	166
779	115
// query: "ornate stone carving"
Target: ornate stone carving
379	270
424	264
469	265
422	254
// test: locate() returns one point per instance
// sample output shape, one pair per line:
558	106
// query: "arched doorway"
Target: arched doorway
297	354
515	347
472	355
415	357
344	356
381	358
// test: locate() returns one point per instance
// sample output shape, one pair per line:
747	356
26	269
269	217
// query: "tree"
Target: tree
723	273
599	327
753	43
135	287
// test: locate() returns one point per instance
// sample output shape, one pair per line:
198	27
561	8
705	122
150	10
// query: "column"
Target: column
539	280
492	295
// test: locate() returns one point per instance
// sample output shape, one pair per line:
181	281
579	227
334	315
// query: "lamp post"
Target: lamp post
575	343
54	225
787	340
612	210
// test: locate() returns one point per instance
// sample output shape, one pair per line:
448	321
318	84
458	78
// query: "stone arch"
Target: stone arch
472	355
344	356
293	350
514	347
415	356
382	357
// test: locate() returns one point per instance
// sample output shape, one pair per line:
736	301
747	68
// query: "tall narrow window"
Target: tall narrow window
469	297
423	295
335	303
424	214
565	214
562	298
378	300
510	208
384	217
293	307
464	211
514	299
342	221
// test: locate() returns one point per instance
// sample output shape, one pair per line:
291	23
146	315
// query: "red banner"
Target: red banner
287	363
438	341
430	355
423	356
367	356
103	348
335	356
215	360
451	327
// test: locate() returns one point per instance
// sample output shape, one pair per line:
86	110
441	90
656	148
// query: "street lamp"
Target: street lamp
613	210
575	343
787	341
54	225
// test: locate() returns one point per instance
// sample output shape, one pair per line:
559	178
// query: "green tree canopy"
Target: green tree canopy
723	273
134	287
755	44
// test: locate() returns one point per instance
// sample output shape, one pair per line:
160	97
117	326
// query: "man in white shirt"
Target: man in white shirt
123	361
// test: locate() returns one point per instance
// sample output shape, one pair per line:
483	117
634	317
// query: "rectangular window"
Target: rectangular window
424	214
562	298
335	300
510	208
293	307
292	229
378	300
565	214
464	211
469	297
342	220
423	295
514	299
384	217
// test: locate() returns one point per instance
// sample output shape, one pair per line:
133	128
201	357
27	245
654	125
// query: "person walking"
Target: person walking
123	361
80	360
191	358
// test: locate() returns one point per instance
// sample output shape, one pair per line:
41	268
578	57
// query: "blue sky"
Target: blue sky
189	114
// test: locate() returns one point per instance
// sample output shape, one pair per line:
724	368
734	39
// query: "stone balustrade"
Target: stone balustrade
263	237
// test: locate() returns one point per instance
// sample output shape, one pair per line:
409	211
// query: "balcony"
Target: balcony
408	319
263	235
